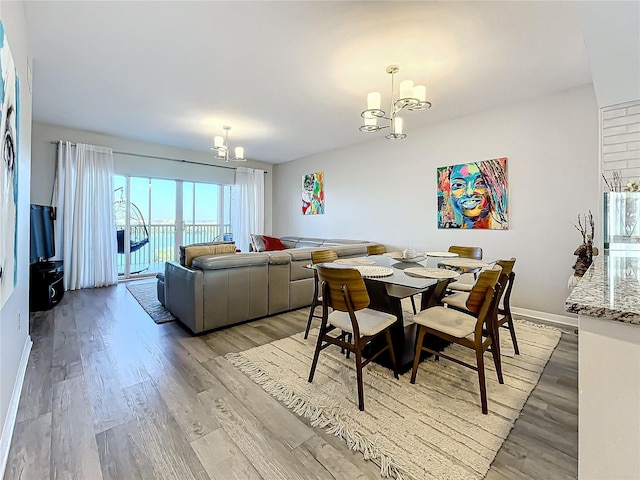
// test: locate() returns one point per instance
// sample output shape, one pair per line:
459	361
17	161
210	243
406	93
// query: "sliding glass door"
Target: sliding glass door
203	213
155	216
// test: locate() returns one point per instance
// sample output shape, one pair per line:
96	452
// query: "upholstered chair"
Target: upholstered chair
503	310
344	308
474	330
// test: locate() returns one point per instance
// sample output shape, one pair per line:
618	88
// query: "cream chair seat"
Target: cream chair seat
370	322
475	330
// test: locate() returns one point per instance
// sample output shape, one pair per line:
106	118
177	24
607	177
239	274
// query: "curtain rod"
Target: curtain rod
57	142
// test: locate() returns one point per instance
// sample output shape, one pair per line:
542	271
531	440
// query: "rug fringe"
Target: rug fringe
320	418
529	323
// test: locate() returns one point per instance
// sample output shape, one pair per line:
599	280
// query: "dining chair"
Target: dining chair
344	291
503	305
474	253
376	249
504	312
318	256
467	252
474	330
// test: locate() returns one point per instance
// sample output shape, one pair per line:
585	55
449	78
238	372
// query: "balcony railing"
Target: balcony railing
150	258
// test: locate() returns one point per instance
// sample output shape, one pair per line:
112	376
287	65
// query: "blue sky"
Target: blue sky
163	194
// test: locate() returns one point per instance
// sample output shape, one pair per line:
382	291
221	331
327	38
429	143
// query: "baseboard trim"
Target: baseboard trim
10	422
547	317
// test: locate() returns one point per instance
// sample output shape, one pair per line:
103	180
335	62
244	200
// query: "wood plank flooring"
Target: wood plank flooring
108	394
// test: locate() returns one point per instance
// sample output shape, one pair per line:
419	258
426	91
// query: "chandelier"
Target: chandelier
221	147
412	98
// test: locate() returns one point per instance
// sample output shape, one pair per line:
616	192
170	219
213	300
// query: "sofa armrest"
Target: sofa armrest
184	289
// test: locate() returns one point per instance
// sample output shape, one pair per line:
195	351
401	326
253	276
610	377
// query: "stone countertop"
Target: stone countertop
610	289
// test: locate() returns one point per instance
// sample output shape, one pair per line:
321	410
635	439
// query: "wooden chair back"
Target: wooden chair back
344	288
467	252
376	249
507	265
324	256
487	280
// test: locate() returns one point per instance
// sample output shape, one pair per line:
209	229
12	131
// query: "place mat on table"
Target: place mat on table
398	256
355	261
431	272
441	254
373	271
464	262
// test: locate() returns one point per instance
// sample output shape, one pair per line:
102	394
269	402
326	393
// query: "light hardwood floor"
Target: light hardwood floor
109	394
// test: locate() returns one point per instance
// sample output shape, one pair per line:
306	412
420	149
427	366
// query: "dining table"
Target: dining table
390	279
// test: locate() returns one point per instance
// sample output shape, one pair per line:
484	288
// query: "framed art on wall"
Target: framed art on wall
474	195
313	193
9	171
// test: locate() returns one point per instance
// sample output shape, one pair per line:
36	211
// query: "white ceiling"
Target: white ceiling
291	78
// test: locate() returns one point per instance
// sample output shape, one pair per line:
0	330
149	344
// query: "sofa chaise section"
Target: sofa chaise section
224	289
219	290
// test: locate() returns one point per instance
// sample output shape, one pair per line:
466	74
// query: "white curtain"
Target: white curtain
247	206
84	229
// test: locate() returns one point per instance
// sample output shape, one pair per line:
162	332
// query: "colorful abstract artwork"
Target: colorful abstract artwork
313	193
9	95
474	195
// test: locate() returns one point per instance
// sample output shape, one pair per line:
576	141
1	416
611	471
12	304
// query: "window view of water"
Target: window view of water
153	213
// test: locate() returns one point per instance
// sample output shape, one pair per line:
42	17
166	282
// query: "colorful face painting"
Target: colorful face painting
9	96
313	193
474	195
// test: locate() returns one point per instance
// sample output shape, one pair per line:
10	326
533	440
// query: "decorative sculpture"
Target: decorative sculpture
586	251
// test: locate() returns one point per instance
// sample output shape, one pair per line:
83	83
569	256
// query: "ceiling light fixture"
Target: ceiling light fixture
221	147
413	98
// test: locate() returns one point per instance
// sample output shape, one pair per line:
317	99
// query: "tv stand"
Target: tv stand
46	286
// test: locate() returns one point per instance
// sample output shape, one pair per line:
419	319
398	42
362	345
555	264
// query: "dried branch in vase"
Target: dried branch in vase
586	251
616	184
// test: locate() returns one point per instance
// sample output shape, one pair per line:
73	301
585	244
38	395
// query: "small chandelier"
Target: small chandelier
221	147
413	98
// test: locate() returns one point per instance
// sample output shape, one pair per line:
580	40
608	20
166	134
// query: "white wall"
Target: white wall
15	342
385	190
611	31
44	156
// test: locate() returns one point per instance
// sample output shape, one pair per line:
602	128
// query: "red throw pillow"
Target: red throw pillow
273	243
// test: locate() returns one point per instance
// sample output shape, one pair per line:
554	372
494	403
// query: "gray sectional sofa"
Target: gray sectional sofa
225	289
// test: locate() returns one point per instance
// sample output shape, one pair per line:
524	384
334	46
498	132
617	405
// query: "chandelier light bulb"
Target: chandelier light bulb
397	126
370	121
218	141
239	153
373	101
420	92
406	89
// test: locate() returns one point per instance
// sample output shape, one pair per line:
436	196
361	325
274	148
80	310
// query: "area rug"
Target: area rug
147	297
434	429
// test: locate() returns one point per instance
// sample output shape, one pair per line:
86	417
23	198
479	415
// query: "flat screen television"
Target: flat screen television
42	243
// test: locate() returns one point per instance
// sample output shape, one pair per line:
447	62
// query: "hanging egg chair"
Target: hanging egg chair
139	234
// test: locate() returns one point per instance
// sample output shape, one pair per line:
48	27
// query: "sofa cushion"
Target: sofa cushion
341	241
239	260
279	257
351	250
272	243
197	250
257	242
309	242
290	242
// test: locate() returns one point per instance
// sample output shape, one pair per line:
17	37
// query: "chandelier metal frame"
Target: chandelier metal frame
412	104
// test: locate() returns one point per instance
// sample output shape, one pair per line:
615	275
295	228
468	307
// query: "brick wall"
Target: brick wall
621	141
